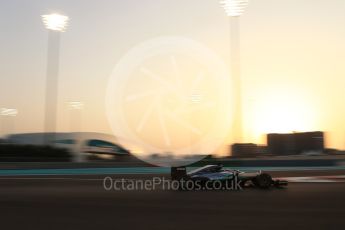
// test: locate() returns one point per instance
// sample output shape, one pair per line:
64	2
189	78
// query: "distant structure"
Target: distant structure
82	145
248	150
295	143
307	143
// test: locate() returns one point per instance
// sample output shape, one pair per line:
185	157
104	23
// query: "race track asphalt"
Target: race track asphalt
81	202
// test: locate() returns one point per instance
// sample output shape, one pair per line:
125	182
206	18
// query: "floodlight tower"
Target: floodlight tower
55	24
234	9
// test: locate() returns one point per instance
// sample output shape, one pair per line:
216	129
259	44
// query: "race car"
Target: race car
216	173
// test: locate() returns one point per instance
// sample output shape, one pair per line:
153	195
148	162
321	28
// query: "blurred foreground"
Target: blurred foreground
80	202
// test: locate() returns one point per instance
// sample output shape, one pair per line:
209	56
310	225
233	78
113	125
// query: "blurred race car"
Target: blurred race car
216	173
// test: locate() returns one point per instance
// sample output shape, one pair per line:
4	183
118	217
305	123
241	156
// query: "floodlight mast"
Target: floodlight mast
55	23
234	9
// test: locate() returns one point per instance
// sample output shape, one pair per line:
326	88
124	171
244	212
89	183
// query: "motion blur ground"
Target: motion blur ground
81	202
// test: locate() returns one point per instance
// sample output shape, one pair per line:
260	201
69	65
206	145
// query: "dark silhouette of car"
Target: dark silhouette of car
207	176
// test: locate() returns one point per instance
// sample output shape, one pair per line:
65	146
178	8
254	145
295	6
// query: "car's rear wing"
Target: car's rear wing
178	173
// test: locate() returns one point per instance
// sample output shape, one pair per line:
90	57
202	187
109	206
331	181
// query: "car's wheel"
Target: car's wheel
263	181
243	183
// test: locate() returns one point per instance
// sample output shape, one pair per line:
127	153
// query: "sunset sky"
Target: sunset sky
292	58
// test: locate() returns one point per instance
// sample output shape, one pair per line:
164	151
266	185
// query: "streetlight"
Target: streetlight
234	9
55	24
9	115
8	112
76	108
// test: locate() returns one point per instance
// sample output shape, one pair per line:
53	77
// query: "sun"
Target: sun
285	112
